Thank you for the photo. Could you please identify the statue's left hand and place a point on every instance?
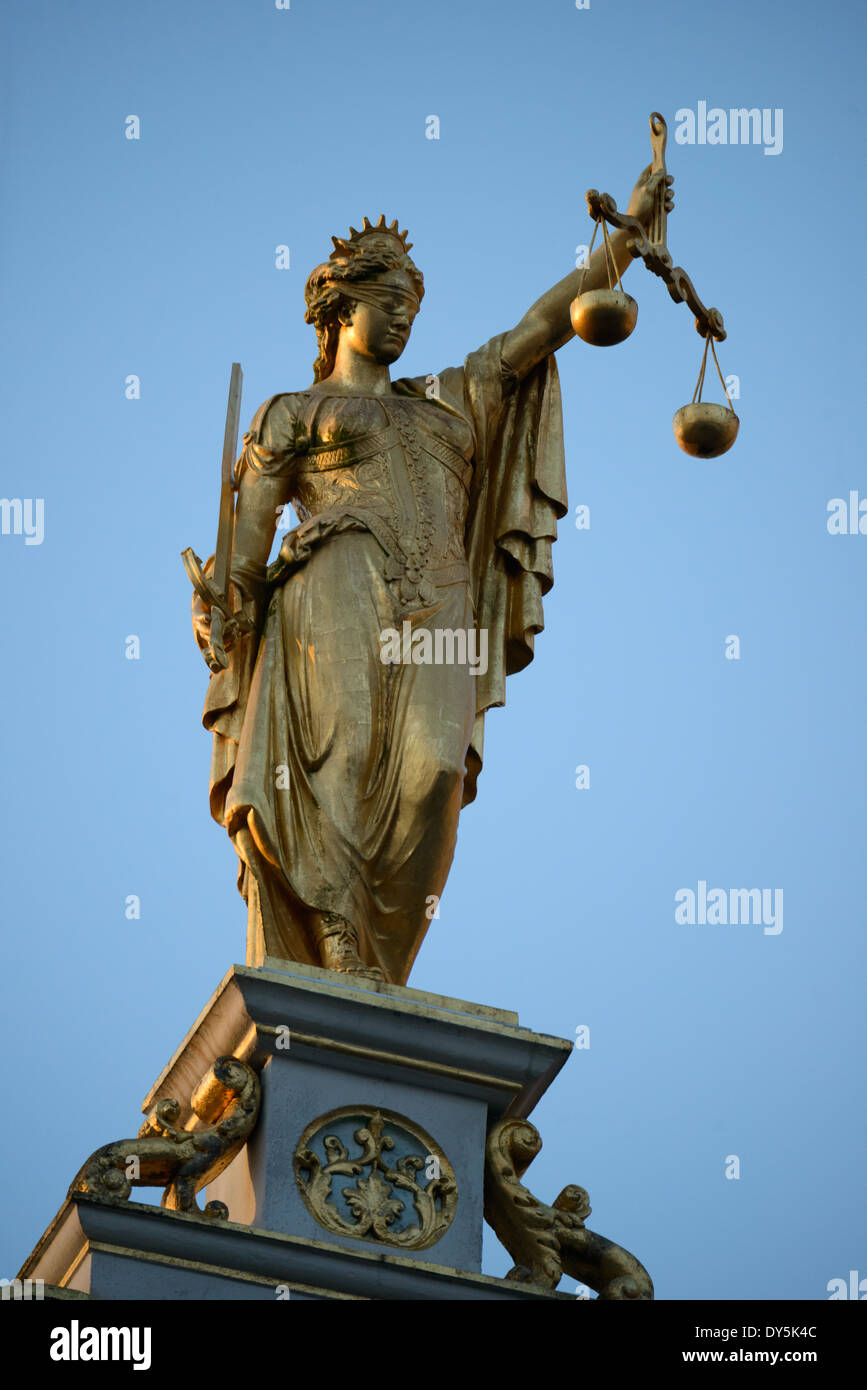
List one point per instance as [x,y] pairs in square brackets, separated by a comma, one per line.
[642,201]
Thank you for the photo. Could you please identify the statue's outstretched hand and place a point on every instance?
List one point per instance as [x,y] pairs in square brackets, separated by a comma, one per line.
[644,194]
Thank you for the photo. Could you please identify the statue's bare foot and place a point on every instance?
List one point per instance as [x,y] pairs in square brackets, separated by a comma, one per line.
[338,947]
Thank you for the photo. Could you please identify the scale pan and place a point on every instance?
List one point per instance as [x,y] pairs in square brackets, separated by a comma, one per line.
[705,429]
[603,317]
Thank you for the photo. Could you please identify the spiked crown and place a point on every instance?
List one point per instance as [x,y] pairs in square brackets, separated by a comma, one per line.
[371,236]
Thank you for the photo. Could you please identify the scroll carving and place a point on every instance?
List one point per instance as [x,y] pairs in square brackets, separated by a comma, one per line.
[182,1161]
[547,1242]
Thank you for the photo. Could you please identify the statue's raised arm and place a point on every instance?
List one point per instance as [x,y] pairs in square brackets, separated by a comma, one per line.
[547,325]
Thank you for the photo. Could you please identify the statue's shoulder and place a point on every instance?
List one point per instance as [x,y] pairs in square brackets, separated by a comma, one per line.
[285,405]
[278,420]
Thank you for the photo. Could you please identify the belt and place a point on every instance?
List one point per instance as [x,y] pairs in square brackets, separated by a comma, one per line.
[298,544]
[455,572]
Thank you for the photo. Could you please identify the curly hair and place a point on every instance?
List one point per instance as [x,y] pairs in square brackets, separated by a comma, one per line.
[325,301]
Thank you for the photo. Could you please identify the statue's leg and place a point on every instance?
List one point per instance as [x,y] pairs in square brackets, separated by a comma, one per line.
[432,709]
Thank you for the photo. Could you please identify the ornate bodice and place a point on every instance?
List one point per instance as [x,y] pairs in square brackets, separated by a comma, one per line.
[400,465]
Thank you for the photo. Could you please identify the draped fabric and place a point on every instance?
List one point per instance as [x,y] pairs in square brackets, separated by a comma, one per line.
[518,495]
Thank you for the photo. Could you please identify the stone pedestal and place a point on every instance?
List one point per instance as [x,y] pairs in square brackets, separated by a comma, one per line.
[364,1175]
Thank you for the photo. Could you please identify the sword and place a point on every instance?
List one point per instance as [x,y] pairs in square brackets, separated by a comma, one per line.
[214,592]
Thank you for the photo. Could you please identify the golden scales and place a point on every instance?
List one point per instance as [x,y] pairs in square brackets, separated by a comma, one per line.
[605,317]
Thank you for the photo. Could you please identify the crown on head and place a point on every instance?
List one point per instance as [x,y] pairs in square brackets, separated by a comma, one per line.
[371,234]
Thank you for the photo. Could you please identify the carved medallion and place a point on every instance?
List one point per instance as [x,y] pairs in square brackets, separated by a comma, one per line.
[377,1176]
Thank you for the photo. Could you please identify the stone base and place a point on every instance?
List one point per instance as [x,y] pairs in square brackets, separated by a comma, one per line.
[341,1061]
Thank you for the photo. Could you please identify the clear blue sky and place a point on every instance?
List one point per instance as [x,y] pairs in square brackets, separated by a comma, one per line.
[156,258]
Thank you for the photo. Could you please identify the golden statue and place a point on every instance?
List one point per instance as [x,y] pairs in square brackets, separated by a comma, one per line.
[427,507]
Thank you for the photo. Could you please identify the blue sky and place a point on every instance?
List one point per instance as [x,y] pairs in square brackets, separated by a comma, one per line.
[156,257]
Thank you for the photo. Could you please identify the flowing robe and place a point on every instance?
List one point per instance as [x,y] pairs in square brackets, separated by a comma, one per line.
[340,777]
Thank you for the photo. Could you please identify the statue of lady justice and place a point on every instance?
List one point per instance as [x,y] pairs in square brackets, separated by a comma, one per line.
[424,503]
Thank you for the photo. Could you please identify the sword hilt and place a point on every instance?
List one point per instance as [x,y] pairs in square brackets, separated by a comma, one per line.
[226,622]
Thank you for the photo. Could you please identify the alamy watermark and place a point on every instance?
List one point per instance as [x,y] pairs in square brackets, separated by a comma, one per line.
[23,516]
[77,1343]
[444,646]
[720,907]
[847,517]
[23,1290]
[737,126]
[854,1287]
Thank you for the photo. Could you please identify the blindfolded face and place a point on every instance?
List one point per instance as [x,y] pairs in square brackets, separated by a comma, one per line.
[380,320]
